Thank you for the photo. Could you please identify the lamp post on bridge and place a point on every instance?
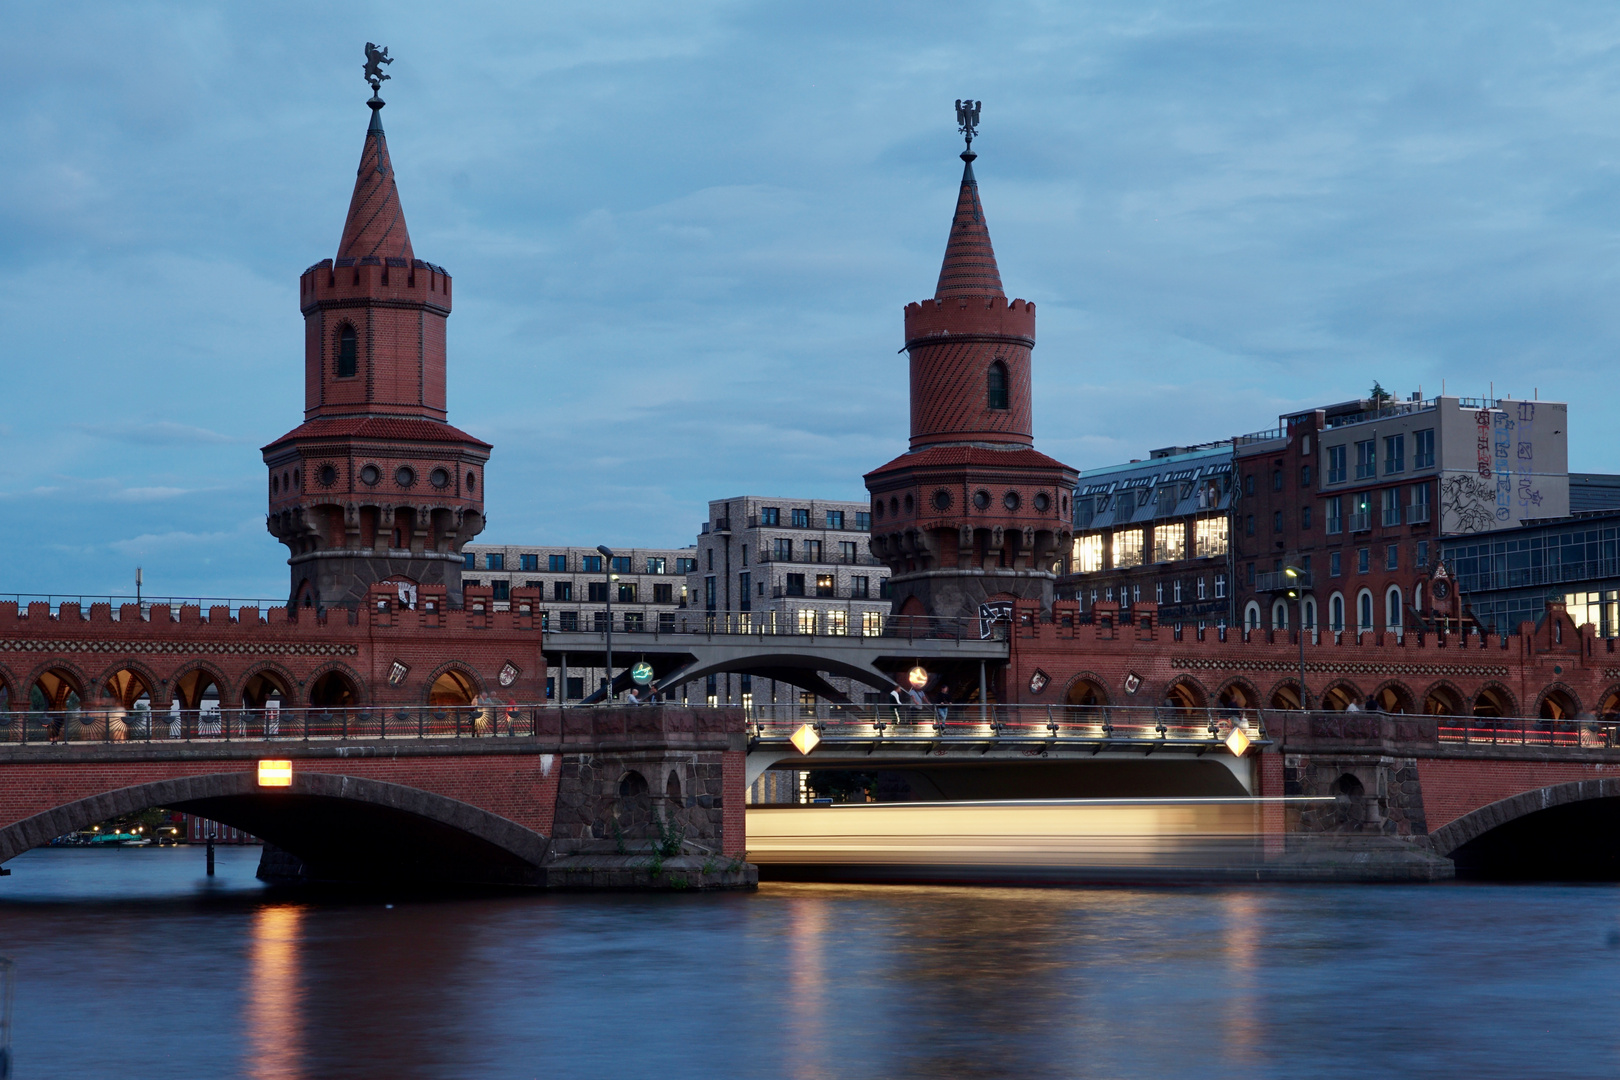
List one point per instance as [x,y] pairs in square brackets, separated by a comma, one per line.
[1296,591]
[607,554]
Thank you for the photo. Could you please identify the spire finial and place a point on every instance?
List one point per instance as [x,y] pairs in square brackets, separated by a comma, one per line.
[375,59]
[967,122]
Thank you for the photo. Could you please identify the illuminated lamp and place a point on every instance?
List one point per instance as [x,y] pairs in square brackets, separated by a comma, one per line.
[1238,741]
[918,677]
[275,773]
[805,739]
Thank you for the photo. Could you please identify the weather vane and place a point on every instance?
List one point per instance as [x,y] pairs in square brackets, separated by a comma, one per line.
[967,119]
[376,58]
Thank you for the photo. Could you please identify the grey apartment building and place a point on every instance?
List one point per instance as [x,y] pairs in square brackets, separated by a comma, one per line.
[649,591]
[787,566]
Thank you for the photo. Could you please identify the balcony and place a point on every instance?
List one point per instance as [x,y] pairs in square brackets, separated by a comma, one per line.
[1361,522]
[1417,514]
[1279,581]
[834,558]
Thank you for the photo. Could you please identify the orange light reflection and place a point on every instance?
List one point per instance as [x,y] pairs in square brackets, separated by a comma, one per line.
[274,996]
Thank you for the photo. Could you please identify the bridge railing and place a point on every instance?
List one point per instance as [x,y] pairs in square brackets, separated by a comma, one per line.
[1589,734]
[804,622]
[270,725]
[1008,723]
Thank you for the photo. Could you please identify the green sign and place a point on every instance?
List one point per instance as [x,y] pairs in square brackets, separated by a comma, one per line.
[642,672]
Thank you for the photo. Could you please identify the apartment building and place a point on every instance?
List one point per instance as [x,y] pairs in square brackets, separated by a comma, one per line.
[791,566]
[1155,531]
[1357,496]
[649,591]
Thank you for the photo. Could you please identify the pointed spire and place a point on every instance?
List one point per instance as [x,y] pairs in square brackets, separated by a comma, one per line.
[970,262]
[376,222]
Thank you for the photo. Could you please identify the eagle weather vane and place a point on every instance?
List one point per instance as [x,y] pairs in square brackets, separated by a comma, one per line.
[375,59]
[967,120]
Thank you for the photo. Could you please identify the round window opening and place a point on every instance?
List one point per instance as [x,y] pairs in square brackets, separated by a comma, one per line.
[275,484]
[405,477]
[370,474]
[1010,500]
[908,502]
[327,476]
[877,509]
[942,500]
[472,481]
[439,478]
[894,506]
[981,499]
[1043,502]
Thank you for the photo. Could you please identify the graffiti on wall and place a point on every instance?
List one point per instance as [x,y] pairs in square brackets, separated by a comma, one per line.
[1467,503]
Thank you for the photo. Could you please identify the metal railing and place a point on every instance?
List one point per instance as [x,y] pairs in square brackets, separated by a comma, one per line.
[1088,727]
[80,726]
[1361,522]
[826,558]
[804,622]
[1601,734]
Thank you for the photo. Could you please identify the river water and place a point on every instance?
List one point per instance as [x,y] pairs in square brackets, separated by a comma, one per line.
[130,963]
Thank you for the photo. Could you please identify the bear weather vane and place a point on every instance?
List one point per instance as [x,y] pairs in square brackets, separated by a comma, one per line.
[375,59]
[967,119]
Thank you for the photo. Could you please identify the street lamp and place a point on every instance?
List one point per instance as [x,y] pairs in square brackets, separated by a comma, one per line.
[1297,592]
[607,554]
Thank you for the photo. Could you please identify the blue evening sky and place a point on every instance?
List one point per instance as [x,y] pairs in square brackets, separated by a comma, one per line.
[682,236]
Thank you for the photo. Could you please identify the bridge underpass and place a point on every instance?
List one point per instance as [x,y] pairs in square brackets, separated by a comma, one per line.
[955,654]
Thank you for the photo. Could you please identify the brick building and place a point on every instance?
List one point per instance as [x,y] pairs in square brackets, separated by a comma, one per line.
[1357,495]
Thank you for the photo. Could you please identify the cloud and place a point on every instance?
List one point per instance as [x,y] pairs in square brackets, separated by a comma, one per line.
[154,433]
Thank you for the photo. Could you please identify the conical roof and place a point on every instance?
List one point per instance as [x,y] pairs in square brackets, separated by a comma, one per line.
[376,222]
[970,262]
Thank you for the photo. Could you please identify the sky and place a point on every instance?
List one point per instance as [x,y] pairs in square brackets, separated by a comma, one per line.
[682,237]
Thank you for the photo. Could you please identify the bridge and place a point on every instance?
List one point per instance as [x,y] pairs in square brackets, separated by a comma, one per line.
[649,797]
[685,649]
[1383,796]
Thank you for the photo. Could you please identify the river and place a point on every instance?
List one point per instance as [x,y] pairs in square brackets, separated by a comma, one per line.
[130,963]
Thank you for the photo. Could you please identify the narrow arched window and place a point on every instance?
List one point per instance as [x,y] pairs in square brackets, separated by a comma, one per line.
[997,386]
[347,364]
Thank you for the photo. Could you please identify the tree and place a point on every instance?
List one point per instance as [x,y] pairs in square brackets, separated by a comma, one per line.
[1378,394]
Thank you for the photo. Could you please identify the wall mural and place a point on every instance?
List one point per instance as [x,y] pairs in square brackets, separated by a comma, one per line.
[1504,488]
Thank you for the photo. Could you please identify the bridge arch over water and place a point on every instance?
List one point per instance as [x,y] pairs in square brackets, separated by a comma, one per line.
[1569,831]
[338,827]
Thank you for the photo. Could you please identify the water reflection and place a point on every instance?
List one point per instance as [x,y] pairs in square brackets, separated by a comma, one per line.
[274,1022]
[806,981]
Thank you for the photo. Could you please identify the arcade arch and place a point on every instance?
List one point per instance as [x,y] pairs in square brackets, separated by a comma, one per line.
[1340,696]
[333,690]
[1393,698]
[1185,695]
[1493,701]
[453,688]
[1558,704]
[1443,700]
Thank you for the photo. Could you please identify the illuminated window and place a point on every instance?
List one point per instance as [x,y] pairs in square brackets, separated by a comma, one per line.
[871,624]
[1128,547]
[807,620]
[1170,542]
[838,622]
[1088,554]
[1209,537]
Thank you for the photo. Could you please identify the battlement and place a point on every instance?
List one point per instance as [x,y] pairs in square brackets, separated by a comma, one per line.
[976,316]
[372,278]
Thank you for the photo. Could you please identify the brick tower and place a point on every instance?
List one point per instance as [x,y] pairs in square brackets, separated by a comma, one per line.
[972,513]
[374,485]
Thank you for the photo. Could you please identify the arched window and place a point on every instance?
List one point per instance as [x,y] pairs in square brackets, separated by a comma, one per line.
[1309,619]
[1392,608]
[997,385]
[1336,613]
[1279,615]
[347,362]
[1364,611]
[1251,616]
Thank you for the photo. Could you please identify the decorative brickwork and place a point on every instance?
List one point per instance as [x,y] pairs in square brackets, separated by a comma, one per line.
[374,485]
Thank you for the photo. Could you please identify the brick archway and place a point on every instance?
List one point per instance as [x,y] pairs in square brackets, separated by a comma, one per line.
[1450,837]
[432,836]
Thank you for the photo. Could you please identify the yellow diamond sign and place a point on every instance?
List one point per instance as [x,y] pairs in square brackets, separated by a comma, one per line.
[1238,741]
[805,739]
